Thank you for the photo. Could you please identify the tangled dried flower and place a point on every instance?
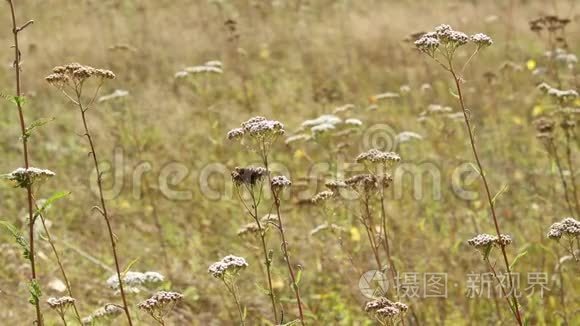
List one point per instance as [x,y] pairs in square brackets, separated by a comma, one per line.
[568,227]
[77,73]
[484,241]
[481,40]
[228,267]
[160,304]
[386,309]
[335,185]
[427,45]
[61,304]
[321,197]
[250,228]
[362,182]
[24,178]
[376,156]
[248,176]
[280,182]
[103,314]
[134,281]
[544,126]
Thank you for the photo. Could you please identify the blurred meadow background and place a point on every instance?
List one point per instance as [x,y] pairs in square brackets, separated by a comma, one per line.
[160,130]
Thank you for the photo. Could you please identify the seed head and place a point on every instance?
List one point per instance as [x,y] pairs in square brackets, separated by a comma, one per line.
[60,304]
[280,182]
[322,197]
[248,176]
[568,227]
[376,156]
[481,40]
[23,178]
[229,266]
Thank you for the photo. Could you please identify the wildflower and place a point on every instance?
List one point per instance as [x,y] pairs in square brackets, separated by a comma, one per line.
[160,304]
[24,178]
[326,119]
[407,136]
[485,241]
[60,305]
[77,73]
[321,197]
[248,176]
[544,126]
[322,128]
[335,185]
[353,122]
[229,266]
[568,227]
[250,228]
[362,182]
[118,93]
[481,40]
[386,309]
[344,108]
[427,45]
[235,134]
[258,130]
[103,314]
[383,96]
[296,138]
[376,156]
[280,182]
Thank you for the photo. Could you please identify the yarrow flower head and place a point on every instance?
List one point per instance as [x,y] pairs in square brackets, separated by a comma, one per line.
[228,267]
[103,314]
[160,304]
[258,133]
[60,305]
[322,197]
[77,73]
[385,309]
[481,40]
[485,242]
[568,227]
[428,44]
[248,176]
[250,228]
[135,281]
[376,156]
[280,182]
[24,178]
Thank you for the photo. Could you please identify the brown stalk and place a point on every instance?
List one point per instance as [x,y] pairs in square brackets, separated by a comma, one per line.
[457,80]
[17,55]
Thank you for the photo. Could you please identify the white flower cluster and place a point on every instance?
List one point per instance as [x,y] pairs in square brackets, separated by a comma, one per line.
[386,309]
[279,182]
[24,178]
[323,124]
[104,314]
[377,156]
[160,300]
[136,280]
[257,128]
[484,241]
[60,304]
[568,227]
[210,67]
[118,93]
[229,266]
[445,36]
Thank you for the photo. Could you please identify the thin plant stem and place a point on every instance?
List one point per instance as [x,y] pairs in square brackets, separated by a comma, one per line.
[233,291]
[457,80]
[18,100]
[103,207]
[554,151]
[572,171]
[59,262]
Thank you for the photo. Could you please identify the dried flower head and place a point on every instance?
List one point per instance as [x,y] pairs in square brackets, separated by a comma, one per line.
[60,305]
[280,182]
[485,241]
[428,45]
[248,229]
[160,304]
[103,314]
[568,227]
[76,73]
[386,309]
[322,197]
[248,176]
[228,267]
[335,185]
[481,40]
[377,156]
[544,125]
[135,281]
[24,178]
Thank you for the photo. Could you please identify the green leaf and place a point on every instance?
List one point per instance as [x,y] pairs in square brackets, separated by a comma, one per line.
[298,276]
[35,292]
[500,192]
[20,240]
[474,168]
[52,199]
[18,100]
[520,255]
[453,93]
[35,124]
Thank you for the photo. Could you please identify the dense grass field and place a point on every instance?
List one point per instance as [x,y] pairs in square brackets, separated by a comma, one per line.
[483,140]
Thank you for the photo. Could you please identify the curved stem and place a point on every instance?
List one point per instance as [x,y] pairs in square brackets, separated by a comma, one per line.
[17,55]
[104,208]
[487,191]
[561,173]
